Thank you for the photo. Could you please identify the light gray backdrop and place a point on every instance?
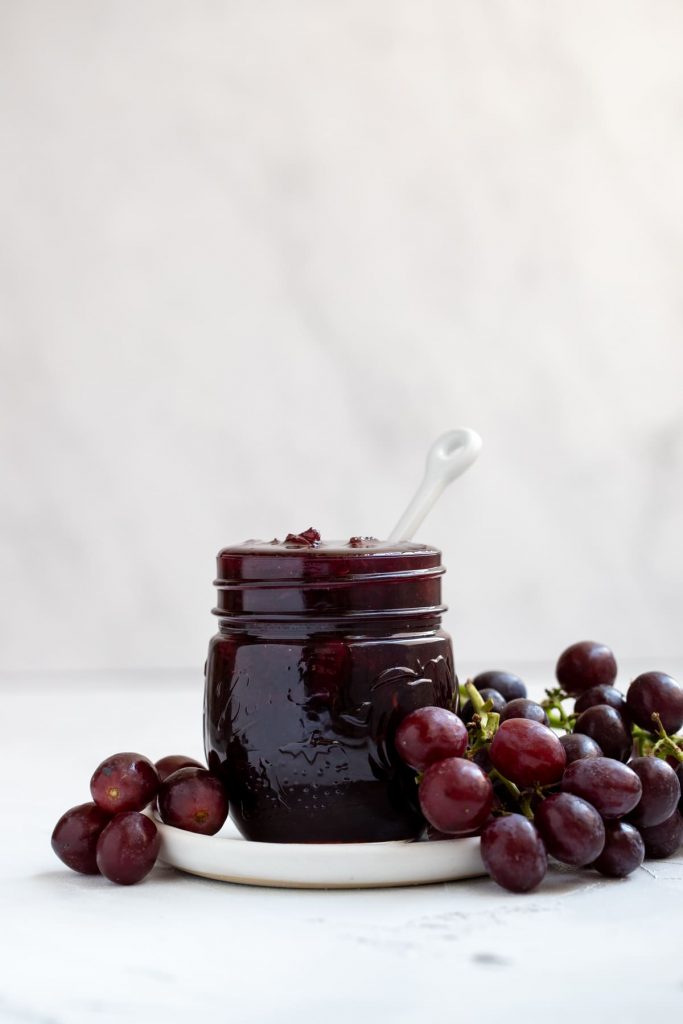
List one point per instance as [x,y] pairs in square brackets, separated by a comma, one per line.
[255,256]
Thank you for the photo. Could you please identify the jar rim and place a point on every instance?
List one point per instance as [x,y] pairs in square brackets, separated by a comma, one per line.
[257,562]
[328,582]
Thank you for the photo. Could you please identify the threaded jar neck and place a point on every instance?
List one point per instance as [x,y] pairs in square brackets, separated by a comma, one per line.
[331,583]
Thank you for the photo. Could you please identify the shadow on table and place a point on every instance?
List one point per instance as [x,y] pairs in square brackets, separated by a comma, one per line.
[469,896]
[65,878]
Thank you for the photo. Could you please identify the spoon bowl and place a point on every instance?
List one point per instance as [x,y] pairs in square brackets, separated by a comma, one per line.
[449,457]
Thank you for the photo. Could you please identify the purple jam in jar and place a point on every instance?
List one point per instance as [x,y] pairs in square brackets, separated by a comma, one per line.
[322,649]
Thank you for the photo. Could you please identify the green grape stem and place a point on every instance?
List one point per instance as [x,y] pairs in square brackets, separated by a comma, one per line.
[552,703]
[473,694]
[485,719]
[522,798]
[666,745]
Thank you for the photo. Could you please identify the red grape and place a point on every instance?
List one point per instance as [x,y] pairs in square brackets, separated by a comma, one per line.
[527,753]
[195,800]
[505,683]
[165,766]
[623,852]
[584,665]
[128,848]
[430,734]
[665,839]
[661,791]
[124,782]
[602,695]
[455,795]
[572,830]
[605,725]
[75,836]
[433,835]
[655,692]
[576,746]
[610,786]
[523,708]
[513,853]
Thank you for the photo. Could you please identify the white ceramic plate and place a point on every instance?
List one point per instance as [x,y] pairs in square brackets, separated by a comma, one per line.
[230,858]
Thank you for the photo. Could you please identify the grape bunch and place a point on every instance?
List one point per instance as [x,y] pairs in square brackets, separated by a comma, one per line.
[111,836]
[597,786]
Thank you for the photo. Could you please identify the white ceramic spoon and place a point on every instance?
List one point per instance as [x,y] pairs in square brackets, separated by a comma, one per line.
[447,459]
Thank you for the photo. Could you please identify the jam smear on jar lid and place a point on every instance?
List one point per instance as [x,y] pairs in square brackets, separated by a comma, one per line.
[309,538]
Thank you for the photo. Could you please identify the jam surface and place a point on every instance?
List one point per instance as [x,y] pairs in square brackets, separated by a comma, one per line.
[322,649]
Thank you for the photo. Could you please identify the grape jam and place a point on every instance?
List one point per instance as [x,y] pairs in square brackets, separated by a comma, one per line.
[322,649]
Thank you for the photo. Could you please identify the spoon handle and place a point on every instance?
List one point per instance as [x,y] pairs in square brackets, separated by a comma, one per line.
[448,458]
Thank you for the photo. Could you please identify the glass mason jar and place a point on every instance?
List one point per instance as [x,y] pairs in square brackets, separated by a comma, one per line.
[321,651]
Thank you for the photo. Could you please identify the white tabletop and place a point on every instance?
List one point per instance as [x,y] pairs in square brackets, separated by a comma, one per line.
[179,948]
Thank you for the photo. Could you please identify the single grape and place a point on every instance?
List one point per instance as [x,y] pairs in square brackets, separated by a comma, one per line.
[195,800]
[577,746]
[513,853]
[497,702]
[661,791]
[605,725]
[610,786]
[165,766]
[665,839]
[508,685]
[584,665]
[523,708]
[430,734]
[679,773]
[75,836]
[655,692]
[128,848]
[527,753]
[433,835]
[623,852]
[455,795]
[124,782]
[603,695]
[572,830]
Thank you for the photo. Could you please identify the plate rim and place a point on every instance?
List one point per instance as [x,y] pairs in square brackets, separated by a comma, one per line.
[392,864]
